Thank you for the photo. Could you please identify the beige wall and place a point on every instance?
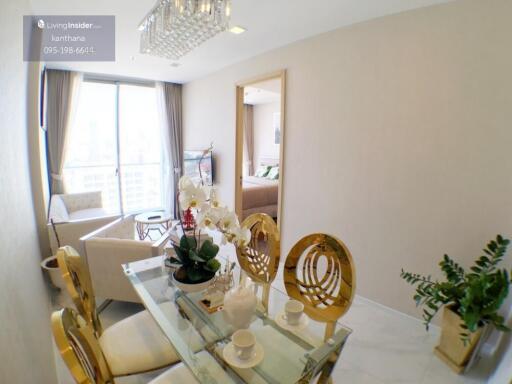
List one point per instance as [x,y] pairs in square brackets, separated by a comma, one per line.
[264,146]
[26,354]
[398,138]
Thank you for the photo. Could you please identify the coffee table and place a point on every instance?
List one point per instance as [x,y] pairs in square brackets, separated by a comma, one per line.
[152,221]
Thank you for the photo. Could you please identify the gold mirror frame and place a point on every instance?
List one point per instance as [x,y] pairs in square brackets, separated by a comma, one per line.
[326,298]
[80,348]
[78,284]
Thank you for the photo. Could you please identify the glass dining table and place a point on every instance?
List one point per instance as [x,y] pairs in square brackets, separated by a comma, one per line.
[291,354]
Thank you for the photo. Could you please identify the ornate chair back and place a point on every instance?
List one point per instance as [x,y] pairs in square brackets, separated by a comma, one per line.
[78,283]
[320,273]
[80,348]
[260,258]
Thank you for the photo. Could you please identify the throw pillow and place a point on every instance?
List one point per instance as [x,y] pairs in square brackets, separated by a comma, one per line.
[262,171]
[273,174]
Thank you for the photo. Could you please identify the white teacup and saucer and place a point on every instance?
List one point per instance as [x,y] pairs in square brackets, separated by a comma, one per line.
[243,351]
[292,317]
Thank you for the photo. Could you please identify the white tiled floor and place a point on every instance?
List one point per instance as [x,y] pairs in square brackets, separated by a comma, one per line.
[385,347]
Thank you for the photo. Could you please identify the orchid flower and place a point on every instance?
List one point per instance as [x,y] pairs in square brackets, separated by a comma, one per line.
[228,221]
[208,217]
[242,236]
[191,196]
[214,200]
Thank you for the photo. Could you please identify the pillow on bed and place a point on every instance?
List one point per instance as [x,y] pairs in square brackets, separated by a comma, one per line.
[262,171]
[273,174]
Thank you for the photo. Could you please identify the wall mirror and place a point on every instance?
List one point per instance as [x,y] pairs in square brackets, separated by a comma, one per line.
[260,145]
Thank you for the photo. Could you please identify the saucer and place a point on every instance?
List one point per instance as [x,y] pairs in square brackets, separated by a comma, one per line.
[232,359]
[281,321]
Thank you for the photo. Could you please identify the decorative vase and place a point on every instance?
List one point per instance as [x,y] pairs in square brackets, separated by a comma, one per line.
[192,287]
[451,348]
[239,306]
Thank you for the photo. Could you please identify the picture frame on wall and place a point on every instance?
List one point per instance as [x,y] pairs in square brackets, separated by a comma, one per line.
[276,124]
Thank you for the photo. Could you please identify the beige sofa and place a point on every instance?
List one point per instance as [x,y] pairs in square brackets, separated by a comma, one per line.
[107,248]
[75,215]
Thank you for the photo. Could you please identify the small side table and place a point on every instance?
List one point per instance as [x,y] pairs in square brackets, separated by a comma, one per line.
[152,221]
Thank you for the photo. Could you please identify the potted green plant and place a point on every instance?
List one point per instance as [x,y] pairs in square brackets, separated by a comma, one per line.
[471,300]
[198,265]
[195,255]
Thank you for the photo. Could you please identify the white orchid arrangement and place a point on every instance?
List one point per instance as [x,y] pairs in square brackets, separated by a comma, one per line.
[197,260]
[211,214]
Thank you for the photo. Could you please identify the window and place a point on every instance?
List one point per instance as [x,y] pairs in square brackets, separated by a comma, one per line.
[114,146]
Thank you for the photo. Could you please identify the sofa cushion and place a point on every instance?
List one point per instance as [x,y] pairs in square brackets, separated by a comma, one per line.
[124,229]
[89,213]
[58,210]
[78,201]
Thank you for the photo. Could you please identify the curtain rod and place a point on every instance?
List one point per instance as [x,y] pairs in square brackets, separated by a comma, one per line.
[99,78]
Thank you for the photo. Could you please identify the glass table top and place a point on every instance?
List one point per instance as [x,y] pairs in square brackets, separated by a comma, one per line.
[290,354]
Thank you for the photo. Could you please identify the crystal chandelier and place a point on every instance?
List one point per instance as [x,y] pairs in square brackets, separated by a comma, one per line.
[175,27]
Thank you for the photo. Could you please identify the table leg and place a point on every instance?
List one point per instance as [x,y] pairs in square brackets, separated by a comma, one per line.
[141,231]
[325,376]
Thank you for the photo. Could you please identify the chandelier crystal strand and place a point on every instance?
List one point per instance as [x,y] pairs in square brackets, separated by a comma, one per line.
[175,27]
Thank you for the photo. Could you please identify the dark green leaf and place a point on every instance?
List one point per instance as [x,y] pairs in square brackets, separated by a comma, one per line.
[209,250]
[194,256]
[188,242]
[212,265]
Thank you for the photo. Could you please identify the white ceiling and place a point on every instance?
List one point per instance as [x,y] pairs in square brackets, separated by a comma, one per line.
[265,92]
[270,24]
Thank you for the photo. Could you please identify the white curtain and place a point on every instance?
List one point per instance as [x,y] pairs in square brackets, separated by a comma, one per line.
[169,100]
[61,98]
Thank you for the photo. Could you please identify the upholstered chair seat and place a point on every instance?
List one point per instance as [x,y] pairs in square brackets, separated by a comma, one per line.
[181,374]
[175,375]
[136,344]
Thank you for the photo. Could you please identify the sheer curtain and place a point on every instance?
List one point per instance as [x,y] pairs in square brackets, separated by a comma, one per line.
[62,93]
[169,97]
[249,137]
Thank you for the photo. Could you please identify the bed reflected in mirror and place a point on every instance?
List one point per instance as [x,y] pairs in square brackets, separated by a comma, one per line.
[260,129]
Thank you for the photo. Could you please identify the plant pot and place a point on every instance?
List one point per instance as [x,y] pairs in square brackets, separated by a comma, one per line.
[51,265]
[192,287]
[451,348]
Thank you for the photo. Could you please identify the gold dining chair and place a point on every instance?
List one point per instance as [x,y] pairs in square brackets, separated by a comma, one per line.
[320,273]
[78,284]
[134,344]
[259,260]
[83,354]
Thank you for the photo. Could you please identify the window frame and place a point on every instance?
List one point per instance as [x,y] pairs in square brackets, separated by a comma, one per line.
[118,82]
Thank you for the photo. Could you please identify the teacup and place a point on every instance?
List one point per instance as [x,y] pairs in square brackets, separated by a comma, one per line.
[293,310]
[244,342]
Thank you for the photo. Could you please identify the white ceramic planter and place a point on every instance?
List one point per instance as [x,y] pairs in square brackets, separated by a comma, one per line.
[190,288]
[53,271]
